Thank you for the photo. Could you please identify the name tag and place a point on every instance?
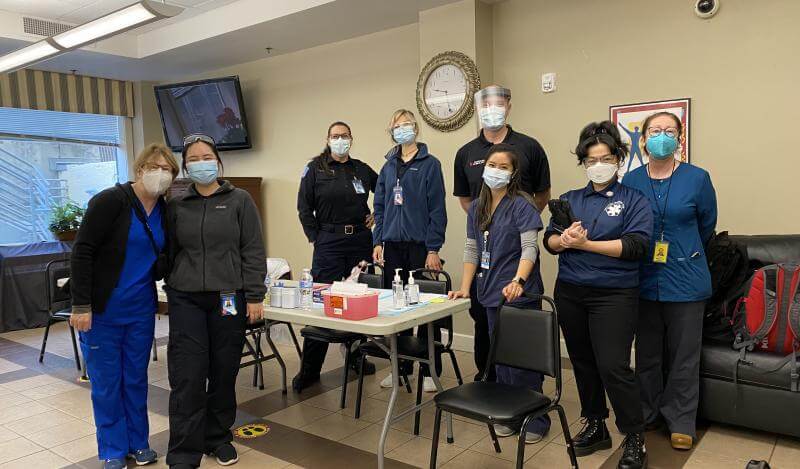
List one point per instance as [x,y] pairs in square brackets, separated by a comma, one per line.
[228,304]
[358,186]
[398,195]
[486,258]
[660,252]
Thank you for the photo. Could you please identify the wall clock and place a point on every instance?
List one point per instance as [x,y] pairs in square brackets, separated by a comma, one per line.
[445,90]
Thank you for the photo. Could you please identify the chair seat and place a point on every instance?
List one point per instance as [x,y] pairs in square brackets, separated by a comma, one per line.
[62,315]
[328,335]
[487,401]
[406,345]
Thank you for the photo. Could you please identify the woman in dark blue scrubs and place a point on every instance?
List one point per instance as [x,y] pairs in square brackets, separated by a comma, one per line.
[114,302]
[597,291]
[502,230]
[676,281]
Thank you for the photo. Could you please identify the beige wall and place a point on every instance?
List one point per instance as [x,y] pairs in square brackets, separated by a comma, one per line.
[739,68]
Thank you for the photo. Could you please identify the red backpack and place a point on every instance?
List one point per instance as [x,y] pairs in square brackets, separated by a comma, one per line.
[769,316]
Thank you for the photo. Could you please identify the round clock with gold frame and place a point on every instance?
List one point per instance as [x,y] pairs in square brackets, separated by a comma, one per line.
[445,90]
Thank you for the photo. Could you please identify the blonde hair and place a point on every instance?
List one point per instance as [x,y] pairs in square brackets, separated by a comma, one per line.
[396,117]
[153,151]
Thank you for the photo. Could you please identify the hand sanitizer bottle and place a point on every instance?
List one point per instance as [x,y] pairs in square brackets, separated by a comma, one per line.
[398,295]
[412,290]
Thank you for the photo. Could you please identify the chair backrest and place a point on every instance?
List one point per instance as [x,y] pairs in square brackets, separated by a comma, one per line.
[440,283]
[372,279]
[57,298]
[528,339]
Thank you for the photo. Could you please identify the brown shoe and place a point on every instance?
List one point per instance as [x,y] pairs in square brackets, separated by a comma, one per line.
[681,441]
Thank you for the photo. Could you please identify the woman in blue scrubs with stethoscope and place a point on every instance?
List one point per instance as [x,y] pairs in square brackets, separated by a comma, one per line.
[502,232]
[114,269]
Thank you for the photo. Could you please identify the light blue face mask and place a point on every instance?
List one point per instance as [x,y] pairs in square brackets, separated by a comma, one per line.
[492,117]
[339,146]
[203,172]
[661,146]
[404,134]
[496,178]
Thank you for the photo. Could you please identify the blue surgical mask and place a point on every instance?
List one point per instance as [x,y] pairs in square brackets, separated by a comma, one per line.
[339,146]
[496,178]
[404,134]
[203,172]
[492,117]
[661,146]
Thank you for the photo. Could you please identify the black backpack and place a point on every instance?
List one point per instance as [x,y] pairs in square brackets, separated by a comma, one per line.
[729,266]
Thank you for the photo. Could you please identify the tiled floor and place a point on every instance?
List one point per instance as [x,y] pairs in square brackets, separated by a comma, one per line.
[46,421]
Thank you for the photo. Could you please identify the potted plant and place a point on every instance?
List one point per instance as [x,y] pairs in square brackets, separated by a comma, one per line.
[65,221]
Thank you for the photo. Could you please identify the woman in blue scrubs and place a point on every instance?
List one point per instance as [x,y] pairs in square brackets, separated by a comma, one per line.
[675,280]
[597,291]
[114,269]
[502,231]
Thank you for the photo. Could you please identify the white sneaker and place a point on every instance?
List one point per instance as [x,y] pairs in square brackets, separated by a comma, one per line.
[503,431]
[387,382]
[532,438]
[428,385]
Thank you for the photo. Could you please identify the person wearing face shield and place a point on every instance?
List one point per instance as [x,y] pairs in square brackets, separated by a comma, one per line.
[114,267]
[214,288]
[676,281]
[492,106]
[333,206]
[501,255]
[597,291]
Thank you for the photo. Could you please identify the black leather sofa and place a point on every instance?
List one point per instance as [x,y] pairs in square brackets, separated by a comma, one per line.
[758,400]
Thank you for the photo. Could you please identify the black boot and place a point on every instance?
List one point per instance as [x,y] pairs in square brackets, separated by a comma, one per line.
[304,380]
[593,437]
[634,454]
[355,363]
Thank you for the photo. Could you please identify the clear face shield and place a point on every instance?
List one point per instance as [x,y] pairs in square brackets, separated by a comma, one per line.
[491,105]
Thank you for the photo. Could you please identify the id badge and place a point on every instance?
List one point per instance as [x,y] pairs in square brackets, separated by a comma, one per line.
[228,304]
[358,186]
[398,195]
[485,260]
[660,252]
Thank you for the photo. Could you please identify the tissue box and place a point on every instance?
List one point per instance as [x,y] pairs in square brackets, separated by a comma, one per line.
[350,301]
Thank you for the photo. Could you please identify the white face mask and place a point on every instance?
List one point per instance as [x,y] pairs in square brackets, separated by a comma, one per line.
[492,117]
[496,178]
[157,181]
[600,173]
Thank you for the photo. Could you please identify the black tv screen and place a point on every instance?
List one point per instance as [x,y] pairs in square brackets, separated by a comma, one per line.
[211,107]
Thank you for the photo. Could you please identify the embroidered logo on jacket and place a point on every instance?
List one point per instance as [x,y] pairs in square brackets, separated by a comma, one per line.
[614,209]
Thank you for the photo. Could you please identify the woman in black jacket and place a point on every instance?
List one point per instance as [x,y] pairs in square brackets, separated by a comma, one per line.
[215,285]
[114,262]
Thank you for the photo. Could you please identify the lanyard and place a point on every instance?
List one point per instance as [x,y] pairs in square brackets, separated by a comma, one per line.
[661,214]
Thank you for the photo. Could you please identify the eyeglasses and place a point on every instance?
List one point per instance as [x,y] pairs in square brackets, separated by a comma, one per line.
[194,138]
[338,136]
[156,167]
[610,159]
[671,132]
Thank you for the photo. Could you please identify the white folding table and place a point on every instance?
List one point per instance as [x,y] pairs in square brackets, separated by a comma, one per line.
[387,327]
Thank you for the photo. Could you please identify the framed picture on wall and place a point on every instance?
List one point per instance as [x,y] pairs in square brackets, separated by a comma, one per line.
[629,118]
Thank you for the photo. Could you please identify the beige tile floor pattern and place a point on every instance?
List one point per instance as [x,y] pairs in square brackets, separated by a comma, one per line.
[46,422]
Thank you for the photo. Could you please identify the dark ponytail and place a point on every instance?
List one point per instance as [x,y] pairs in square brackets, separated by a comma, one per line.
[605,132]
[322,158]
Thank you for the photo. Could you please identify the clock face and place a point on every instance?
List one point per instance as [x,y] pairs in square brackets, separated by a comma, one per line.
[445,91]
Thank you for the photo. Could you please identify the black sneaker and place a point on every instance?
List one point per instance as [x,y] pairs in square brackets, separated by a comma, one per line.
[303,380]
[593,437]
[634,454]
[369,368]
[182,466]
[226,455]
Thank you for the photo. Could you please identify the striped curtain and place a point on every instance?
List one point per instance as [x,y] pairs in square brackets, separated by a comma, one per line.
[53,91]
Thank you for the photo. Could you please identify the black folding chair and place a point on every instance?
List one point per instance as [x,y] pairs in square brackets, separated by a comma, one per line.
[429,281]
[523,338]
[59,305]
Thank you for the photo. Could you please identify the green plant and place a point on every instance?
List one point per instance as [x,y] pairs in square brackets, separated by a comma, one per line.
[66,217]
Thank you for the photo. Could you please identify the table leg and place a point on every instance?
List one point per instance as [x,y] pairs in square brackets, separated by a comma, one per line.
[387,422]
[432,368]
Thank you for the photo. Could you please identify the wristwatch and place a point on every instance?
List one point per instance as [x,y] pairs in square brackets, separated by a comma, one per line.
[519,280]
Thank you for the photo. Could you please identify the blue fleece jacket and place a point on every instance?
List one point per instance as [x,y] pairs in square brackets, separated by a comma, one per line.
[422,217]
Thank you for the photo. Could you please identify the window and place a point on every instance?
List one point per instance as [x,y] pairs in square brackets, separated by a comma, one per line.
[48,158]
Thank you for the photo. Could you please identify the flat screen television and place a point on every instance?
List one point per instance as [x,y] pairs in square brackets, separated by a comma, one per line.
[211,107]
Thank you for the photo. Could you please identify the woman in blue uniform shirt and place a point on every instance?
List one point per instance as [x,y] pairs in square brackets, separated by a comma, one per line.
[502,231]
[113,290]
[675,280]
[597,291]
[410,215]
